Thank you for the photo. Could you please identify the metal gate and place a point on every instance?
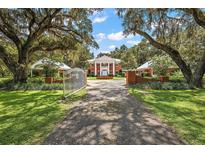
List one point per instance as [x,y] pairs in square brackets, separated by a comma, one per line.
[74,80]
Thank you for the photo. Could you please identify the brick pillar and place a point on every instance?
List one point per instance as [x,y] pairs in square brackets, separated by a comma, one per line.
[130,77]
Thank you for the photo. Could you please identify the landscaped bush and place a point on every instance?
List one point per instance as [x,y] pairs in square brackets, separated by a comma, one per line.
[163,85]
[36,80]
[161,63]
[91,75]
[120,74]
[33,84]
[176,76]
[123,74]
[146,74]
[50,71]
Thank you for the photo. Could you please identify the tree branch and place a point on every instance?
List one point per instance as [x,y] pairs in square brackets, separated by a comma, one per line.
[8,30]
[7,58]
[33,19]
[51,47]
[42,25]
[173,53]
[198,15]
[45,23]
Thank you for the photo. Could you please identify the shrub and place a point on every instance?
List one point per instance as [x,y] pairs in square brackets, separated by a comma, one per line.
[120,74]
[33,84]
[50,71]
[163,85]
[146,74]
[177,76]
[123,74]
[91,75]
[161,63]
[36,80]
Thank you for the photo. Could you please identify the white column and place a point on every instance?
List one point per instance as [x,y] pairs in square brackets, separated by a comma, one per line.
[100,68]
[108,68]
[113,68]
[95,69]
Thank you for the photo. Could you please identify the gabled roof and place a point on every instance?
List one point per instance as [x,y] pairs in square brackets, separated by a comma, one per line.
[104,59]
[145,65]
[46,61]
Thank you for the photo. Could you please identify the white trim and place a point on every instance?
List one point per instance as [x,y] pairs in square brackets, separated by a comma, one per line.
[95,68]
[100,68]
[104,59]
[46,61]
[113,69]
[108,68]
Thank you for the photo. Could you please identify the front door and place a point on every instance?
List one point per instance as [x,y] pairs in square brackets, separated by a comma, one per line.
[104,73]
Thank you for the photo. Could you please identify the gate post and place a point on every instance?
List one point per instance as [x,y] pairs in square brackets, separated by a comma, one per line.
[86,73]
[130,77]
[63,83]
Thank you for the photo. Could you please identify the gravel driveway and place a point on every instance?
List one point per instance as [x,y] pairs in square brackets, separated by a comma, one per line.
[109,115]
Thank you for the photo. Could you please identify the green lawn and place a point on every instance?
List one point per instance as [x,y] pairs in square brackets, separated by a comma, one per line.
[182,109]
[115,78]
[27,117]
[118,78]
[91,78]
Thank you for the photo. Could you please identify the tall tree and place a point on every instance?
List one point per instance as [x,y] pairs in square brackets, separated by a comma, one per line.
[79,57]
[3,69]
[161,28]
[31,30]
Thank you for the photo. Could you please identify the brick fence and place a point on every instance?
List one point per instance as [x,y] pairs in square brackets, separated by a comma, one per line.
[133,78]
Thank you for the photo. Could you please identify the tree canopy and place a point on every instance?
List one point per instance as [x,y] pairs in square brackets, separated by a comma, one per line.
[162,28]
[27,31]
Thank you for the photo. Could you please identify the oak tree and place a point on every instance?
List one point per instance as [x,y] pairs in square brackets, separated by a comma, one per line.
[161,27]
[30,30]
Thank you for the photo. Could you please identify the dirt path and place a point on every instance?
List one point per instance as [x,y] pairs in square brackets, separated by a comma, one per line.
[109,115]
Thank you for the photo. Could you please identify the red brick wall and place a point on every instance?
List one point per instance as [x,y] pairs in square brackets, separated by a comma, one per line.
[91,68]
[133,78]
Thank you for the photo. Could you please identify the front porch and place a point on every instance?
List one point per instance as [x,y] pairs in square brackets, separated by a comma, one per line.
[104,66]
[104,69]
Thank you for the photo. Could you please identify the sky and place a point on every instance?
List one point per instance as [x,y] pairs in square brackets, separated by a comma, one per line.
[108,32]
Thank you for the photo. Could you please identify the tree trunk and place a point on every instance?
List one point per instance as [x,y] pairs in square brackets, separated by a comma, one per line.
[21,71]
[197,81]
[20,74]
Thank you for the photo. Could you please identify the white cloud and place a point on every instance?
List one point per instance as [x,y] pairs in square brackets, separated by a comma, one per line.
[130,36]
[99,19]
[95,13]
[112,47]
[105,51]
[116,36]
[100,37]
[132,42]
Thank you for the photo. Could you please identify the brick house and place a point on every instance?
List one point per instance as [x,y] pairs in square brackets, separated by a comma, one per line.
[147,70]
[104,66]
